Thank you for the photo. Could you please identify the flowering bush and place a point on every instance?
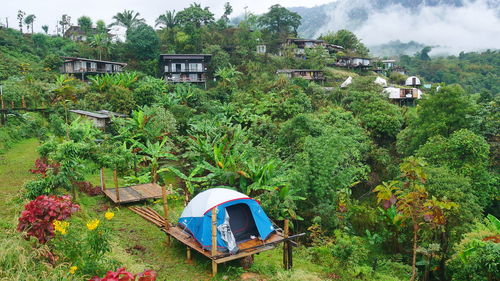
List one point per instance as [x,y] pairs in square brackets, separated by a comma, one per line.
[93,239]
[39,214]
[122,275]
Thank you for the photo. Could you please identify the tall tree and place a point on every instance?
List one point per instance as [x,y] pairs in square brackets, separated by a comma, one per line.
[100,41]
[195,16]
[168,20]
[64,22]
[45,29]
[280,20]
[29,22]
[20,17]
[85,24]
[228,10]
[142,42]
[127,19]
[346,39]
[100,27]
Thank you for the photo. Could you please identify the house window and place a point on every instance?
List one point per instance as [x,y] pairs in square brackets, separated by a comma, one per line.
[195,67]
[193,77]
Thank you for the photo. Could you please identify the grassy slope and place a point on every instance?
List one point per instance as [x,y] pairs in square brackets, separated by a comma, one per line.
[138,245]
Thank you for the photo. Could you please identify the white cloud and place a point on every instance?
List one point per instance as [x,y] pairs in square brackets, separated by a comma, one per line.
[473,26]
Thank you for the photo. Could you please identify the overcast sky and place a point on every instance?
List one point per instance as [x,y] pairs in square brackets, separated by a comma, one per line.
[49,11]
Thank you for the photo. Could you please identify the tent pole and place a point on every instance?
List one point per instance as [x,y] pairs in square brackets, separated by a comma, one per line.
[214,240]
[188,254]
[116,186]
[285,246]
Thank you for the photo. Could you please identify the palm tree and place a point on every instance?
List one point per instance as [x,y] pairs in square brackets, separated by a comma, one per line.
[168,19]
[100,41]
[45,28]
[127,19]
[20,16]
[28,20]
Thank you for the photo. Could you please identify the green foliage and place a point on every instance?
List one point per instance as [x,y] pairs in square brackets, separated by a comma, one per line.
[346,39]
[440,113]
[280,21]
[142,42]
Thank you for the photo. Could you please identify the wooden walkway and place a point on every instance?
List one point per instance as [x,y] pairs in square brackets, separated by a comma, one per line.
[134,193]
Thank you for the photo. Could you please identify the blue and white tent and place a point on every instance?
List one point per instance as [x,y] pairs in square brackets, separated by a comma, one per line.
[239,219]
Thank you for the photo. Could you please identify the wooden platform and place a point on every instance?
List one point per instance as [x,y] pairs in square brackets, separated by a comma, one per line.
[253,246]
[134,193]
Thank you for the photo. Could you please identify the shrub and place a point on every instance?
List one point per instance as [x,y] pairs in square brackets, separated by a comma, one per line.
[38,215]
[87,188]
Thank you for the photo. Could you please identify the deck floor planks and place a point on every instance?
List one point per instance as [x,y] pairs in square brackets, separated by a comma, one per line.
[134,193]
[187,240]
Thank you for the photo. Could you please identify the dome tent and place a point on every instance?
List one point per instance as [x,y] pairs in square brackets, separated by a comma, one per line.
[242,216]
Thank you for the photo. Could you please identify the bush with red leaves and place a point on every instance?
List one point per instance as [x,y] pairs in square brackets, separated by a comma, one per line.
[87,188]
[38,215]
[42,167]
[122,275]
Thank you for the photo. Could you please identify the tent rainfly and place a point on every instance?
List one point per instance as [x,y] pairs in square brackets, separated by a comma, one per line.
[239,219]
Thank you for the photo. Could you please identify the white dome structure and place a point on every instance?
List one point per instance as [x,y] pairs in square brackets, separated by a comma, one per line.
[413,81]
[380,81]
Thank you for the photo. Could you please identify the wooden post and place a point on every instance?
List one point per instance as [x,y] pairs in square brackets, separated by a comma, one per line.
[116,186]
[188,254]
[165,209]
[214,240]
[23,101]
[1,100]
[12,104]
[286,265]
[103,180]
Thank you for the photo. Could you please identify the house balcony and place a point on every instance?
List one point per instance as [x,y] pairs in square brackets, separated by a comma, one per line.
[186,80]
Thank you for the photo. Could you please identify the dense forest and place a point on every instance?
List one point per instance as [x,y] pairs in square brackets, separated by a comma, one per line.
[382,191]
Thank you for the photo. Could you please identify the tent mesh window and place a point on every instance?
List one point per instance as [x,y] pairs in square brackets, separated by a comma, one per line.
[242,222]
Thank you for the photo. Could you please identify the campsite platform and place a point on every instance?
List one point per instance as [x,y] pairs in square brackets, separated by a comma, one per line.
[134,193]
[247,248]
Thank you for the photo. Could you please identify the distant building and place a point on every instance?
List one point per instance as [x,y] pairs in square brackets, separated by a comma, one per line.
[185,68]
[101,119]
[84,67]
[75,33]
[353,62]
[413,81]
[403,95]
[308,74]
[261,49]
[388,64]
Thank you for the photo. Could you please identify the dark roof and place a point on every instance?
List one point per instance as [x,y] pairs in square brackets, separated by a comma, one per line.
[304,40]
[185,56]
[296,70]
[76,29]
[92,60]
[111,113]
[91,114]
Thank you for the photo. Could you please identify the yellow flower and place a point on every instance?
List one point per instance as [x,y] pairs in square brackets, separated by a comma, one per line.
[109,215]
[73,269]
[60,226]
[93,224]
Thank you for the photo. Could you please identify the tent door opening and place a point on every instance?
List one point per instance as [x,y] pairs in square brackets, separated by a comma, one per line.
[242,222]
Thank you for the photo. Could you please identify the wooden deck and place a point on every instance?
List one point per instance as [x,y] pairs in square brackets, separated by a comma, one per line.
[255,245]
[134,193]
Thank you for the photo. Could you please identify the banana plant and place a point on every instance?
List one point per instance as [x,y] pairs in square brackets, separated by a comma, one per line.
[154,152]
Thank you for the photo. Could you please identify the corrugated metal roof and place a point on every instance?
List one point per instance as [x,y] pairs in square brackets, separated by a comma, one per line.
[185,56]
[92,60]
[88,113]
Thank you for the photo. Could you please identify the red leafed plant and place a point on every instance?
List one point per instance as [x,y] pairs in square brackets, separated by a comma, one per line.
[38,215]
[122,275]
[42,167]
[87,188]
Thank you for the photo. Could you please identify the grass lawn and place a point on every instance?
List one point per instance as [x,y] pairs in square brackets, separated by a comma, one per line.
[137,244]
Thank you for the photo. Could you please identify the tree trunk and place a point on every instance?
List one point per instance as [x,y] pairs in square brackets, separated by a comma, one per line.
[414,258]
